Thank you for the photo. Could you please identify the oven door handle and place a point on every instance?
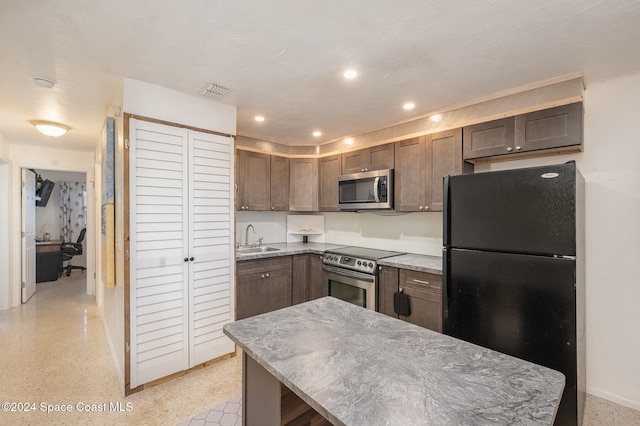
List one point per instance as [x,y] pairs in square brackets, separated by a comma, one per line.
[348,273]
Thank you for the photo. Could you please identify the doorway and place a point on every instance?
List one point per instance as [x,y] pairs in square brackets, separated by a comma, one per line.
[48,222]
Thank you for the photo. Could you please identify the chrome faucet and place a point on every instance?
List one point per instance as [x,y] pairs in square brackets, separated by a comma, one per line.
[246,234]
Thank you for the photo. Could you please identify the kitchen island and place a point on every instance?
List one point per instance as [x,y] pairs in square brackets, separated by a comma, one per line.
[353,366]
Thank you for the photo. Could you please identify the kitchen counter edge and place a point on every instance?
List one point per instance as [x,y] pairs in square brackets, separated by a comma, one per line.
[410,261]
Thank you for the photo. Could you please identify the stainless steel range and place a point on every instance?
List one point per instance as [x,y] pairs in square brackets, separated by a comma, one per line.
[351,274]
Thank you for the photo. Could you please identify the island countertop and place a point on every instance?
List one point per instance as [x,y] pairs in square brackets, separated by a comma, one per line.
[359,367]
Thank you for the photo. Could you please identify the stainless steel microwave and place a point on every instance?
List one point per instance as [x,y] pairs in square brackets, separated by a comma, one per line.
[366,191]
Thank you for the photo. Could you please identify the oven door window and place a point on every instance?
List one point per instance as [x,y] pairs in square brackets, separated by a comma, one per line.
[348,293]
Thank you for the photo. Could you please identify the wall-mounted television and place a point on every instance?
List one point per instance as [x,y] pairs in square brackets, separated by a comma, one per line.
[44,192]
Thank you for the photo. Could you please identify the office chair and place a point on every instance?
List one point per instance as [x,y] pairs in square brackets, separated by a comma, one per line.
[72,249]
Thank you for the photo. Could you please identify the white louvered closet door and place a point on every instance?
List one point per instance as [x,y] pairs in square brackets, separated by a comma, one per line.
[181,192]
[211,244]
[159,292]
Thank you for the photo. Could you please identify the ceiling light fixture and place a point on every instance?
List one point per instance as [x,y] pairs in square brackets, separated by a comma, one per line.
[45,82]
[317,133]
[436,118]
[50,129]
[259,118]
[409,105]
[350,74]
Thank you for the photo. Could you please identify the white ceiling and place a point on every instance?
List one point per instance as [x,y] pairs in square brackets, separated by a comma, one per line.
[284,59]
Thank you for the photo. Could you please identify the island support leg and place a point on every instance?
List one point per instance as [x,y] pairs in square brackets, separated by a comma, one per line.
[260,395]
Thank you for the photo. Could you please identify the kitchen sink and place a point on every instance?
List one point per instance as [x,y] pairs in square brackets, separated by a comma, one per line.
[249,250]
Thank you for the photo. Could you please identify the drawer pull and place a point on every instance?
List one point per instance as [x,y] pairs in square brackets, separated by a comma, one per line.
[421,281]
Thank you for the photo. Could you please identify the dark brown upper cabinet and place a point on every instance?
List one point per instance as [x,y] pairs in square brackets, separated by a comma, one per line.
[421,164]
[254,179]
[279,183]
[303,188]
[329,170]
[363,160]
[558,129]
[445,151]
[262,181]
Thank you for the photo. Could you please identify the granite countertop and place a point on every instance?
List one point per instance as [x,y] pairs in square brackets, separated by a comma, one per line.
[414,262]
[288,249]
[359,367]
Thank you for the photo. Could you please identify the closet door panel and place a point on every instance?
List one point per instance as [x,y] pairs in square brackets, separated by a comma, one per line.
[211,201]
[159,238]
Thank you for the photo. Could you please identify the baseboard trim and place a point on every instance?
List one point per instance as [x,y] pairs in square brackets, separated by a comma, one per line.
[114,356]
[614,398]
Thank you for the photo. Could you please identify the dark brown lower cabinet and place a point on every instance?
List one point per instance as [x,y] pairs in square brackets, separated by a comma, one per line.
[300,284]
[387,287]
[425,298]
[317,288]
[262,286]
[307,278]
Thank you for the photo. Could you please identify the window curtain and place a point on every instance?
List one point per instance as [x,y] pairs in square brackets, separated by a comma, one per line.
[73,209]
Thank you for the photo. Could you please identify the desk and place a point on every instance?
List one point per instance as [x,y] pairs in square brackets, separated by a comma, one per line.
[48,260]
[48,246]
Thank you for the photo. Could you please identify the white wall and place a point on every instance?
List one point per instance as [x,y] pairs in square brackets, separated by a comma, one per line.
[157,102]
[111,299]
[419,233]
[26,156]
[5,252]
[611,168]
[272,226]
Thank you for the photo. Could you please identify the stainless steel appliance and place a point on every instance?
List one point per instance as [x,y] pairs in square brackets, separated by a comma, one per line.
[513,269]
[366,191]
[351,274]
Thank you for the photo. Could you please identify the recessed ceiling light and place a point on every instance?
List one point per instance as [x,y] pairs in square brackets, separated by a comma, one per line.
[436,118]
[259,118]
[317,133]
[50,129]
[350,74]
[409,105]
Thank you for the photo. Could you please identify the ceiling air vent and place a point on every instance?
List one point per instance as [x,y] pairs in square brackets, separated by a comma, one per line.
[213,91]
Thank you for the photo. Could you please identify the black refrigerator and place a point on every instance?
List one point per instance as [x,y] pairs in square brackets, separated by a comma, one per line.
[513,269]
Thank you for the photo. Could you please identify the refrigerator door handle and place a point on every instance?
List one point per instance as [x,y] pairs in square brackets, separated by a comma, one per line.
[446,208]
[445,283]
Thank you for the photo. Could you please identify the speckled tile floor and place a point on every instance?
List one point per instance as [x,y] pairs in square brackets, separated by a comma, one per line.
[53,351]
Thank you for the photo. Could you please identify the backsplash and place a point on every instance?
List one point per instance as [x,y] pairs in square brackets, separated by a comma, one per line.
[419,233]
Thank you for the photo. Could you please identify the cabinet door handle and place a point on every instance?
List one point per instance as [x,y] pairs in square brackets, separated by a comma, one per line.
[273,208]
[509,149]
[186,259]
[191,259]
[267,275]
[518,148]
[415,280]
[426,207]
[420,207]
[262,276]
[400,290]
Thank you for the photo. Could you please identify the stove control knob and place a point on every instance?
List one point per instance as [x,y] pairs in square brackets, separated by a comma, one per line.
[359,263]
[370,265]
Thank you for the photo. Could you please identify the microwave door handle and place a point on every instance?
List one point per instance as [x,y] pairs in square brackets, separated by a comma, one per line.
[376,183]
